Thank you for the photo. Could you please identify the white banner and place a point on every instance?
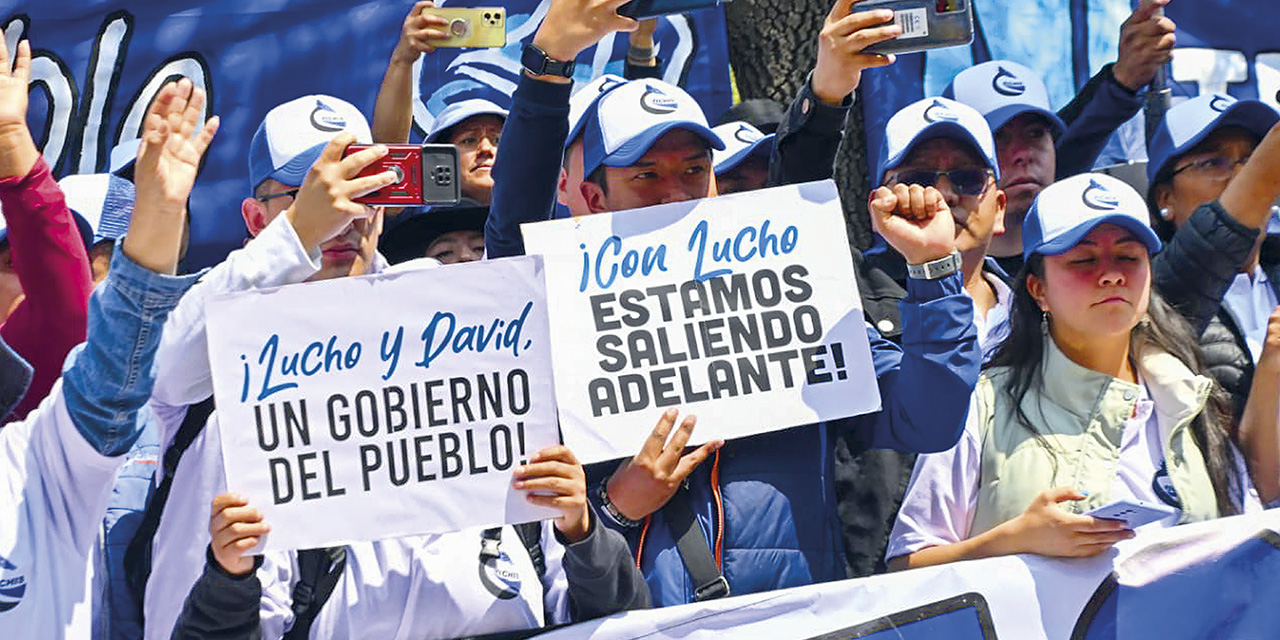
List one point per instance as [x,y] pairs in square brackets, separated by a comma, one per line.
[1209,580]
[367,408]
[741,309]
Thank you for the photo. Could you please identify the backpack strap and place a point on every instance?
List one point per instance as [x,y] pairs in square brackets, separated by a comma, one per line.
[318,573]
[137,556]
[708,582]
[531,535]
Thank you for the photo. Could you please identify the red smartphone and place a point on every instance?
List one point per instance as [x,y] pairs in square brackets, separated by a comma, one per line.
[428,175]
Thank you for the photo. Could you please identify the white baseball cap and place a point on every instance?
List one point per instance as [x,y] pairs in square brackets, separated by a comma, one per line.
[741,141]
[932,118]
[1001,90]
[628,119]
[585,97]
[1067,210]
[105,201]
[459,111]
[290,138]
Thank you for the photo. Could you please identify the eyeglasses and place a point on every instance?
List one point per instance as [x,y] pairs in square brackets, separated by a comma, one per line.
[1217,168]
[966,182]
[292,193]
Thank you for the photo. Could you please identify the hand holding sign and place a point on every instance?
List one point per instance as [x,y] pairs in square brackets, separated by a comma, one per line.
[840,44]
[915,220]
[556,471]
[325,204]
[646,482]
[235,528]
[168,160]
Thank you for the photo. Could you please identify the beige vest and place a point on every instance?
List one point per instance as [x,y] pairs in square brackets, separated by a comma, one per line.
[1081,414]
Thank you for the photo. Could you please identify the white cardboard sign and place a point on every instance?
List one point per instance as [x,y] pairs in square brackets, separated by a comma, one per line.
[741,309]
[365,408]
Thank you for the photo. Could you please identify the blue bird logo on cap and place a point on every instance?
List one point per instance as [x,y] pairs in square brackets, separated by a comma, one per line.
[608,84]
[324,118]
[1220,103]
[1007,84]
[656,102]
[745,134]
[1096,196]
[939,112]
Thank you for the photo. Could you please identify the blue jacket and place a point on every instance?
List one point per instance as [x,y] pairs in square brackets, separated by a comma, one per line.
[1097,111]
[771,516]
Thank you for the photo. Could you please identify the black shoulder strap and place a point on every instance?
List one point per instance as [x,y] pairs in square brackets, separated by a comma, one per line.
[531,535]
[709,583]
[137,556]
[318,573]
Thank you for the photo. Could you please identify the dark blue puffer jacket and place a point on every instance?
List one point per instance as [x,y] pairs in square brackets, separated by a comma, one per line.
[766,504]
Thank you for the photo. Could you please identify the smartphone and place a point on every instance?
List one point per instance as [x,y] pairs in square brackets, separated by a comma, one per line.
[428,174]
[473,27]
[641,9]
[926,24]
[1134,513]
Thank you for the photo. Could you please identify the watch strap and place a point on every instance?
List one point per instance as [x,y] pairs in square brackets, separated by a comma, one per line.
[538,63]
[935,269]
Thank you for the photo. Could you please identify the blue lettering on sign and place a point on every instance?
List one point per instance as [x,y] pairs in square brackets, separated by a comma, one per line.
[633,262]
[280,372]
[442,333]
[748,244]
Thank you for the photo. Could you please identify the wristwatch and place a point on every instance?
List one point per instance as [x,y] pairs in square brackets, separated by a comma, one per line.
[935,269]
[538,63]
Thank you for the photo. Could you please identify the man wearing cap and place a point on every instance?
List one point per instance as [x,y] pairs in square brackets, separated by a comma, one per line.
[645,143]
[305,226]
[44,269]
[743,165]
[106,201]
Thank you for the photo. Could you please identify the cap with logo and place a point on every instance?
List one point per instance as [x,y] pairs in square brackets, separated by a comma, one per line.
[1067,210]
[1187,123]
[628,119]
[584,98]
[929,119]
[104,199]
[741,141]
[1001,90]
[290,138]
[459,111]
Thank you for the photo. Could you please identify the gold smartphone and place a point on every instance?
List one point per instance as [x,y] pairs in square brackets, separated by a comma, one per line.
[473,26]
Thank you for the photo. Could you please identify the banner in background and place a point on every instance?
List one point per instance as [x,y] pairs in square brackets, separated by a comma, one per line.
[98,63]
[741,309]
[402,402]
[1223,45]
[1207,580]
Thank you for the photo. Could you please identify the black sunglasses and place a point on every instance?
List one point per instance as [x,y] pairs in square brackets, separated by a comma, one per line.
[966,182]
[292,193]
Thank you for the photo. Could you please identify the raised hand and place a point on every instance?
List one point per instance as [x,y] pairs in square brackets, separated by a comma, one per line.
[840,43]
[1146,44]
[18,151]
[646,482]
[1046,529]
[554,478]
[573,25]
[914,220]
[325,205]
[235,528]
[419,34]
[173,142]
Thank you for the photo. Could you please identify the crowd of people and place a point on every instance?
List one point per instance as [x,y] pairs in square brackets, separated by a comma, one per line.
[1080,340]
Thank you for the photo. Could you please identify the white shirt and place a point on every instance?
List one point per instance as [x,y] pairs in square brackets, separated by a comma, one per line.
[993,327]
[1251,301]
[54,487]
[942,497]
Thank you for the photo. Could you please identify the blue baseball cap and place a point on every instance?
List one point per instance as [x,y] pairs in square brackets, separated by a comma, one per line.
[1067,210]
[628,119]
[584,100]
[105,201]
[459,111]
[741,141]
[293,134]
[1001,90]
[933,118]
[1188,123]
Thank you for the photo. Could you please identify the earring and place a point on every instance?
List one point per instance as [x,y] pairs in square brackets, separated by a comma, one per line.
[1044,321]
[1165,214]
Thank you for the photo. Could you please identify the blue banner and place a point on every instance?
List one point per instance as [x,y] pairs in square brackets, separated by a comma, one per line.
[98,63]
[1223,45]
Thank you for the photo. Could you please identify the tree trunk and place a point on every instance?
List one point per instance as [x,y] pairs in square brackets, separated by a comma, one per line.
[772,48]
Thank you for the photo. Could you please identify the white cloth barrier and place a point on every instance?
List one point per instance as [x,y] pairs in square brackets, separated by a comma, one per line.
[1220,578]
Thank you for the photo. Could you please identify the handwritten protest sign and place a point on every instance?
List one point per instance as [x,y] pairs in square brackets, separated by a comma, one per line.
[742,309]
[368,408]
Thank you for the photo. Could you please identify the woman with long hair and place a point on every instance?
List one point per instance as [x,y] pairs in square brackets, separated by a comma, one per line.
[1096,396]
